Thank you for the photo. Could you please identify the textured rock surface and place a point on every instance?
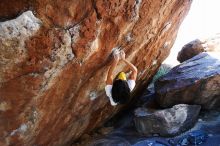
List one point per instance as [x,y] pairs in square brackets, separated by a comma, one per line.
[197,46]
[195,81]
[167,122]
[190,50]
[53,63]
[208,122]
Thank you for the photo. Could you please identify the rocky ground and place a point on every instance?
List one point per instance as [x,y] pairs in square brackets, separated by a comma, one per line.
[122,132]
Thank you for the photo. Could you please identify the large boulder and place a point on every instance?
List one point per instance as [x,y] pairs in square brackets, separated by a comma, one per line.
[197,46]
[195,81]
[190,50]
[54,58]
[167,122]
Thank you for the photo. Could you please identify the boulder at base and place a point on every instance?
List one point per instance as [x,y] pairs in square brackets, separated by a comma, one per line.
[195,81]
[197,46]
[167,122]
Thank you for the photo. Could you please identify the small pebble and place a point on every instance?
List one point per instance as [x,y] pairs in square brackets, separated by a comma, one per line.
[200,120]
[156,135]
[210,135]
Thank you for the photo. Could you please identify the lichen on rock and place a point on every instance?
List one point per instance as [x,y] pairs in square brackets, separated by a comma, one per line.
[13,34]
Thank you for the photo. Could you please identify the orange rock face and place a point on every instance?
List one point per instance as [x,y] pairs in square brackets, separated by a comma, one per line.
[54,60]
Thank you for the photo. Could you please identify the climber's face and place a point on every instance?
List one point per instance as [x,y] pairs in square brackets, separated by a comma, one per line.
[121,76]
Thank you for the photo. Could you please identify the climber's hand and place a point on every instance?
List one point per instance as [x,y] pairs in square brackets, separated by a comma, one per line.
[117,57]
[122,55]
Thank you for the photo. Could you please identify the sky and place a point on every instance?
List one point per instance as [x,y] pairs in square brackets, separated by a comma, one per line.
[202,21]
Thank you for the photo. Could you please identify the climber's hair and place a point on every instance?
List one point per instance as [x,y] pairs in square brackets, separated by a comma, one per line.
[120,91]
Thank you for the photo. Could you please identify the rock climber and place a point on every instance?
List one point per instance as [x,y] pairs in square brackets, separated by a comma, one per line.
[119,89]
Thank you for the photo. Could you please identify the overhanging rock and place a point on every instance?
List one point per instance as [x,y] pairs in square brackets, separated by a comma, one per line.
[52,72]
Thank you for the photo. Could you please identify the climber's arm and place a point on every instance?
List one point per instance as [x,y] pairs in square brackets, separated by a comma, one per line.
[134,70]
[109,80]
[133,75]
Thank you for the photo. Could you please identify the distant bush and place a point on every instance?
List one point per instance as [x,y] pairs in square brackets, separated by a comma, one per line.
[164,69]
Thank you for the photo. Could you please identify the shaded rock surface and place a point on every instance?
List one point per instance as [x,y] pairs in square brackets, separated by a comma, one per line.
[197,46]
[208,122]
[167,122]
[195,81]
[54,60]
